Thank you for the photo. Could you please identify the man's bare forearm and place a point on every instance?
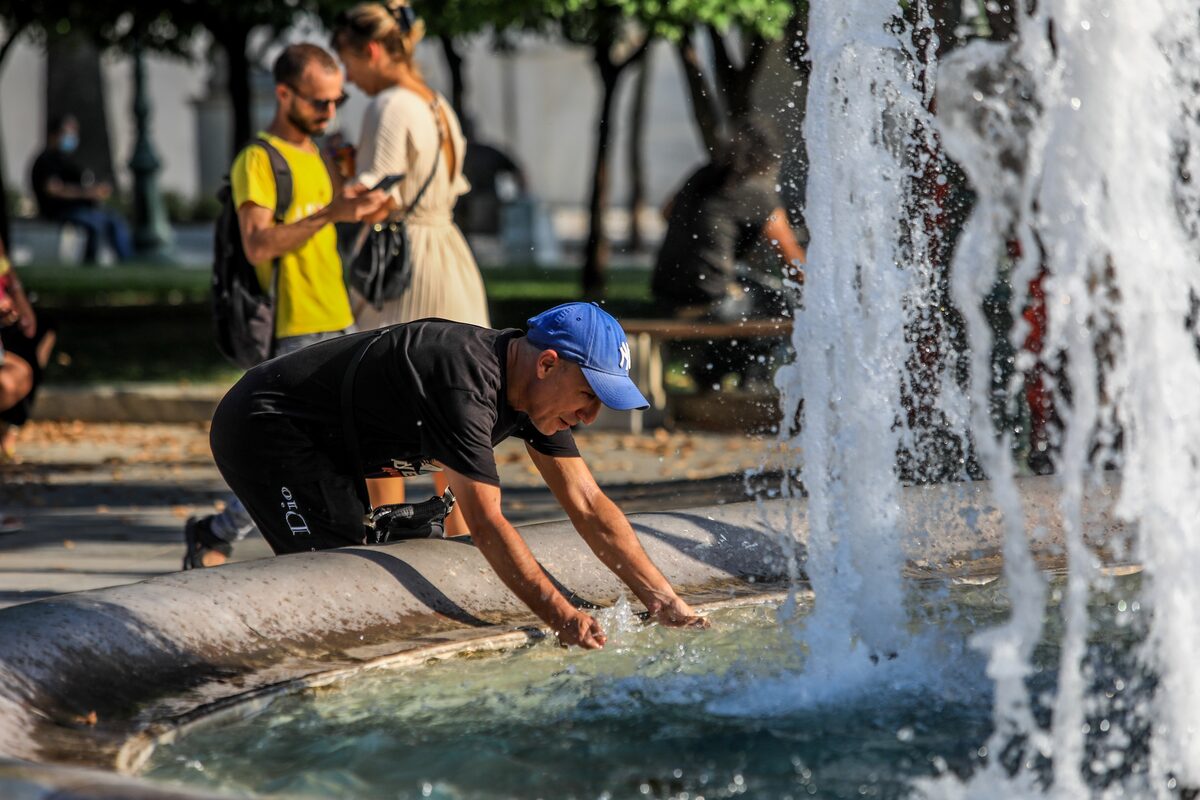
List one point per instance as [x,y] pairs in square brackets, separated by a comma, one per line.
[513,561]
[272,242]
[70,191]
[610,536]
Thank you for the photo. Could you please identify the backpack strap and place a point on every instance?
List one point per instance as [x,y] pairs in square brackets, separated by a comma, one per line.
[283,179]
[283,201]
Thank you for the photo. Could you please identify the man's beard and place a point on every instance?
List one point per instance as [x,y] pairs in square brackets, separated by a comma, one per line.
[309,127]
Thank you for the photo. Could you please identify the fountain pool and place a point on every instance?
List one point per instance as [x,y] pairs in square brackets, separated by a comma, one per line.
[665,714]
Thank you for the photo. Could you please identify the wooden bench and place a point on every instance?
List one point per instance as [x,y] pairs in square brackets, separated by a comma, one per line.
[648,337]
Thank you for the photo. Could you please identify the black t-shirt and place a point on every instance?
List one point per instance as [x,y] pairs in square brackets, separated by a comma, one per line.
[712,223]
[425,391]
[53,163]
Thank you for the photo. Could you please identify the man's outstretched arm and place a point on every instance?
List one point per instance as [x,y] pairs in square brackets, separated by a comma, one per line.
[610,536]
[512,560]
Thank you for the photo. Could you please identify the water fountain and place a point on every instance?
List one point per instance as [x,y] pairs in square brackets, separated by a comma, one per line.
[1077,137]
[910,671]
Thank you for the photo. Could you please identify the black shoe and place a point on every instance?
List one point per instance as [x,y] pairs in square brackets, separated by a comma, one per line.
[200,540]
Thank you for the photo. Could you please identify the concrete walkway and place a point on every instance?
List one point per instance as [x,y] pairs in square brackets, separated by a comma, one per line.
[105,503]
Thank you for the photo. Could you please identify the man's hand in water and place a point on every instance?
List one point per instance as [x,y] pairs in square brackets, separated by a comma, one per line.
[675,613]
[582,630]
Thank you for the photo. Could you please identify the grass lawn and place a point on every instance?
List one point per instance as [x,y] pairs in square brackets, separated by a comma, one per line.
[152,323]
[144,285]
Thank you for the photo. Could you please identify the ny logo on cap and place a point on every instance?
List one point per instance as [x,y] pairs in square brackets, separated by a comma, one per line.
[626,361]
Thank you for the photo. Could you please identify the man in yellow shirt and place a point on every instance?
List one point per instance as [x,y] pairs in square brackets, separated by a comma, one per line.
[296,260]
[310,297]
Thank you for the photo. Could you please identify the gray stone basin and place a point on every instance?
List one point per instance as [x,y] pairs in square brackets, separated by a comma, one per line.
[89,682]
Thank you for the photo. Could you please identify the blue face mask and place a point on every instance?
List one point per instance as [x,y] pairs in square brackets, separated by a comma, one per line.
[68,142]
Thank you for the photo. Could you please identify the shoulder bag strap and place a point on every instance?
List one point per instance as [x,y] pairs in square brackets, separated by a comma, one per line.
[347,404]
[436,160]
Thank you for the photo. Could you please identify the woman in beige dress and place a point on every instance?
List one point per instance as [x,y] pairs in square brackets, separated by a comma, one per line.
[404,128]
[401,132]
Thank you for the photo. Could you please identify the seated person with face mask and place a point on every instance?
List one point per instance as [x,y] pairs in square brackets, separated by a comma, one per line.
[66,192]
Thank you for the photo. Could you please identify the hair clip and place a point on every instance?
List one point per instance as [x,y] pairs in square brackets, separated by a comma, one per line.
[405,16]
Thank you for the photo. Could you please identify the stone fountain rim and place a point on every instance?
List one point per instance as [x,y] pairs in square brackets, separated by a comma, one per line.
[691,542]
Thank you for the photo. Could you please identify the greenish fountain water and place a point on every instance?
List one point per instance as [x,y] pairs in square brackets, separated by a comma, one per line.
[666,714]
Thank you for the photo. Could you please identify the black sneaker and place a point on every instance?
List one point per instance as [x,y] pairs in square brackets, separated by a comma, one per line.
[200,540]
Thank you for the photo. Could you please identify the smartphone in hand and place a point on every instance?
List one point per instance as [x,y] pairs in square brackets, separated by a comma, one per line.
[387,182]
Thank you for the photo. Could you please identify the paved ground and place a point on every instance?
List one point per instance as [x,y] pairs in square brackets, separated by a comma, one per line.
[104,504]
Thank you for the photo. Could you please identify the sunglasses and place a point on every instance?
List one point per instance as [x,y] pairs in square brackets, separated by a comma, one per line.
[318,104]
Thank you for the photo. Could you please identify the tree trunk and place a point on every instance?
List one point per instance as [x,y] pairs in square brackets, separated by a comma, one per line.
[596,253]
[742,100]
[637,145]
[233,42]
[454,63]
[723,68]
[705,112]
[74,86]
[735,83]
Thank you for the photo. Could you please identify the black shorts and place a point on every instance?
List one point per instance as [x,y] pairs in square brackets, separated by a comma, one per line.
[299,499]
[299,516]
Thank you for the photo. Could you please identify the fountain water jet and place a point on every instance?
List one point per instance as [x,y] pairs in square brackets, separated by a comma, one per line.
[863,103]
[1078,137]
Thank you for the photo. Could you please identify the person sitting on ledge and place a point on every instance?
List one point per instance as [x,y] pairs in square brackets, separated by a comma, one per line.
[66,192]
[704,271]
[296,435]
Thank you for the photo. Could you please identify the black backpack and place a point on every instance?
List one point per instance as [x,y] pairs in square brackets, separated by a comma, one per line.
[243,314]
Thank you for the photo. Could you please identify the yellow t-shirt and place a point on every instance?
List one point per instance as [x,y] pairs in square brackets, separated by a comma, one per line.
[312,294]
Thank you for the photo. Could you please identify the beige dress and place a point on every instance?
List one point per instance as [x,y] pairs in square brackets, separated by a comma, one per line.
[400,135]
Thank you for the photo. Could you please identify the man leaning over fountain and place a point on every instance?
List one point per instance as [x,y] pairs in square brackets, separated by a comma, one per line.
[296,435]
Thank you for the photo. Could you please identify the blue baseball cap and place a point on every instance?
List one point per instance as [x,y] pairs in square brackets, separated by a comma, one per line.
[590,337]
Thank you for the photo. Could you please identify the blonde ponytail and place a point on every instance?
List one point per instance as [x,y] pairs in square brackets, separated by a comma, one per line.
[394,26]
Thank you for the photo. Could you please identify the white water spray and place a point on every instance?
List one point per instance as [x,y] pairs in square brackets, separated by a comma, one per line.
[862,106]
[1075,137]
